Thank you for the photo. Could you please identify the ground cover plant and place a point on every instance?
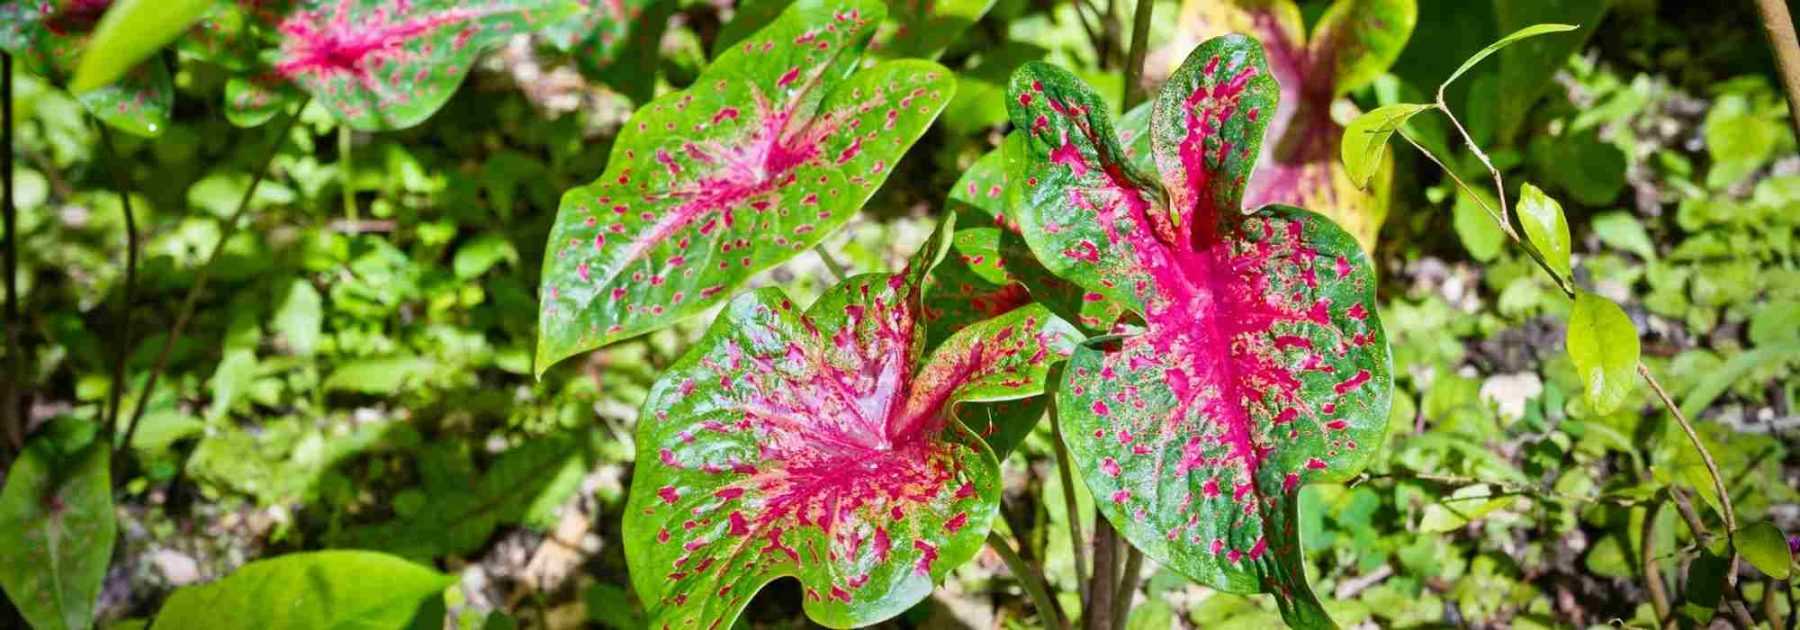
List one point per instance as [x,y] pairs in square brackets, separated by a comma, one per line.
[987,314]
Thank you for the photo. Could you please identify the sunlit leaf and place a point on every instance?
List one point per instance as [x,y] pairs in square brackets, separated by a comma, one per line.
[56,532]
[1545,226]
[129,33]
[1603,344]
[1523,33]
[48,38]
[818,445]
[1366,138]
[1766,548]
[1260,365]
[320,589]
[775,146]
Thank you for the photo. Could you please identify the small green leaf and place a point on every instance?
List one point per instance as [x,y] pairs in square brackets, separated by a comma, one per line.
[1465,505]
[56,532]
[1619,230]
[230,380]
[1766,549]
[1604,346]
[299,317]
[1545,227]
[129,33]
[1366,138]
[1529,31]
[321,589]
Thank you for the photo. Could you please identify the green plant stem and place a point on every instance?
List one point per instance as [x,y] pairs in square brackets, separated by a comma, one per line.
[1031,579]
[1712,468]
[1778,26]
[836,268]
[1128,584]
[1771,608]
[1653,583]
[1134,63]
[1703,536]
[127,301]
[1096,613]
[192,299]
[1064,474]
[347,172]
[12,418]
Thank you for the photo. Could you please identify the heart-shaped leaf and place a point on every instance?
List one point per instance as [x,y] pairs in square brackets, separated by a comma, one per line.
[776,145]
[817,445]
[48,38]
[1354,41]
[1260,365]
[319,589]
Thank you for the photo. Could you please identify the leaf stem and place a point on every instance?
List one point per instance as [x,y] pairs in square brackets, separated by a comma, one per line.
[1134,64]
[1712,467]
[1077,542]
[1499,188]
[189,302]
[1779,27]
[1128,584]
[12,418]
[347,173]
[1659,596]
[123,335]
[1031,579]
[836,268]
[1097,611]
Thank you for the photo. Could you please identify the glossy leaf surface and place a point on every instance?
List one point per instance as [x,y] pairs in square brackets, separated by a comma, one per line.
[56,533]
[129,33]
[1364,148]
[321,589]
[818,445]
[1353,42]
[1603,345]
[48,39]
[1545,226]
[776,145]
[1260,365]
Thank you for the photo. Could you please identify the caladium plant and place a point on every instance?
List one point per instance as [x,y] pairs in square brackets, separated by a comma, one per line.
[375,64]
[780,140]
[821,445]
[1259,365]
[1353,42]
[47,36]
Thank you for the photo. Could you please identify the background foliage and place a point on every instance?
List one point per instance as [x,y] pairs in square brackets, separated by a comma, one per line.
[364,382]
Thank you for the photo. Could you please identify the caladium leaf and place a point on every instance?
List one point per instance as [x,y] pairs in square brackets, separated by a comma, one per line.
[599,29]
[778,142]
[924,28]
[48,36]
[1260,365]
[1354,42]
[816,445]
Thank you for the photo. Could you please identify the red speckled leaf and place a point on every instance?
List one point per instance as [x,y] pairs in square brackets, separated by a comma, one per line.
[1354,42]
[777,143]
[598,30]
[47,37]
[1260,365]
[816,445]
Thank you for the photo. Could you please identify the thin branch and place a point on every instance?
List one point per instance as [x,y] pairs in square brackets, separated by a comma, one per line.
[1096,612]
[1499,188]
[837,269]
[128,300]
[1110,52]
[1031,579]
[188,304]
[1779,27]
[1134,64]
[1712,468]
[1077,542]
[1128,584]
[1081,17]
[12,418]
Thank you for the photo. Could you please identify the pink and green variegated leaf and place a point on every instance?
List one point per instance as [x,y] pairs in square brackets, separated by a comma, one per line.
[48,37]
[252,101]
[775,146]
[379,64]
[973,283]
[599,29]
[1354,42]
[815,445]
[1260,365]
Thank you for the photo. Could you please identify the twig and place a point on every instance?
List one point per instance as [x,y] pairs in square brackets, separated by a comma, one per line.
[127,301]
[836,268]
[1128,584]
[1703,536]
[192,299]
[1779,27]
[1110,26]
[1077,542]
[1499,188]
[1081,17]
[1712,468]
[347,173]
[13,416]
[1096,612]
[1134,64]
[1031,579]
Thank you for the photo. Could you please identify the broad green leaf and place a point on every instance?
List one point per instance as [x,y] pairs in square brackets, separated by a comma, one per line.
[1545,227]
[318,589]
[1766,548]
[1467,504]
[924,28]
[1604,347]
[56,532]
[1366,138]
[1478,230]
[1528,67]
[774,147]
[300,317]
[384,375]
[1523,33]
[1620,230]
[1360,39]
[230,380]
[822,445]
[598,31]
[1261,364]
[48,38]
[130,32]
